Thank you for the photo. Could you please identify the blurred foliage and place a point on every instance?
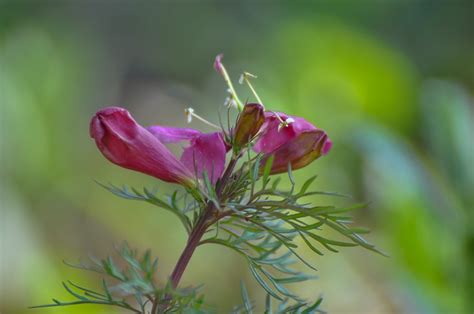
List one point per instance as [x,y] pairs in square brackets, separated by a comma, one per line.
[391,82]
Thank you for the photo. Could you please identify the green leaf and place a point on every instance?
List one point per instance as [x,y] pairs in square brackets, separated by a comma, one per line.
[76,295]
[266,170]
[246,299]
[112,270]
[275,183]
[294,279]
[307,184]
[290,175]
[210,190]
[314,307]
[262,282]
[268,304]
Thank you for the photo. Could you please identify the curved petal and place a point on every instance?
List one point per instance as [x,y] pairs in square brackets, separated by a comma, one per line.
[127,144]
[272,137]
[206,153]
[300,151]
[327,145]
[166,134]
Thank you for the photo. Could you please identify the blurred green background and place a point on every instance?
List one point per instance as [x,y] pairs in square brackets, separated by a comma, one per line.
[391,82]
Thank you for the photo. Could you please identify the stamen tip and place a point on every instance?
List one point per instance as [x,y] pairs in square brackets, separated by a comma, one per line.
[188,112]
[241,78]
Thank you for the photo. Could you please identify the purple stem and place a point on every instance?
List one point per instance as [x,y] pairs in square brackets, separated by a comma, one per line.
[196,235]
[193,242]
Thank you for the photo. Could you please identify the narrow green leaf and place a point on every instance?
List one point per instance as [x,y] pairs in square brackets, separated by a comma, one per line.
[268,304]
[279,287]
[275,183]
[294,279]
[111,269]
[262,282]
[358,230]
[88,292]
[307,184]
[313,308]
[266,170]
[106,290]
[290,175]
[310,245]
[210,189]
[76,295]
[246,299]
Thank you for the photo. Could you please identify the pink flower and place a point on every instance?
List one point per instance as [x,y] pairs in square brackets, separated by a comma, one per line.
[126,143]
[298,143]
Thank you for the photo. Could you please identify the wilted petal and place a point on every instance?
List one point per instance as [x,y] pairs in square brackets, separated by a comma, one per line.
[167,134]
[127,144]
[206,153]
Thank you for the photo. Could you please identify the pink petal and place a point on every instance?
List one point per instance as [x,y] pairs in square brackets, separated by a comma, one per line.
[206,153]
[272,138]
[300,151]
[127,144]
[326,146]
[166,134]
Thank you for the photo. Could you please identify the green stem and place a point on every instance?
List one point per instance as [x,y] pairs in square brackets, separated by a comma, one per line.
[252,89]
[231,88]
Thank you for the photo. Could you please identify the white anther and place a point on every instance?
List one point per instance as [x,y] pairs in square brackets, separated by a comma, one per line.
[188,112]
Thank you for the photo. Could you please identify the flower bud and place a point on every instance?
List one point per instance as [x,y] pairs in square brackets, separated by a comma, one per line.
[218,64]
[248,124]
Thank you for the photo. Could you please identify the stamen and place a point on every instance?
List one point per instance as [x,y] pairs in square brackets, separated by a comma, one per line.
[189,113]
[283,124]
[289,120]
[229,102]
[246,77]
[233,94]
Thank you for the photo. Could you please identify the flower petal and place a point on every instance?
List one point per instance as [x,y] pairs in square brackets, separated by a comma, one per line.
[127,144]
[166,134]
[206,153]
[273,136]
[300,151]
[327,145]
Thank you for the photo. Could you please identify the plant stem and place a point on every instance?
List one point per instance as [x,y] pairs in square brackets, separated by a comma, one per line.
[194,239]
[183,261]
[199,229]
[191,245]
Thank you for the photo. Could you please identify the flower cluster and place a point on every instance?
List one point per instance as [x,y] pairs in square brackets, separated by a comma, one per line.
[289,139]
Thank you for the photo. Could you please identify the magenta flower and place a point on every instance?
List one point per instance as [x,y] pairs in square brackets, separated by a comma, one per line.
[206,152]
[298,142]
[126,143]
